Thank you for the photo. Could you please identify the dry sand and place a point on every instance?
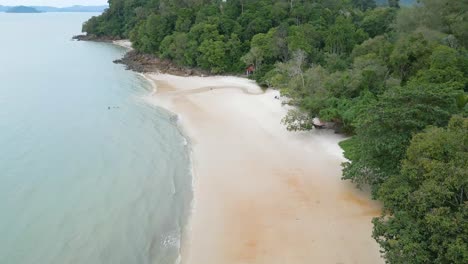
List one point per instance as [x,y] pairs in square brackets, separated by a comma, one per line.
[263,194]
[124,43]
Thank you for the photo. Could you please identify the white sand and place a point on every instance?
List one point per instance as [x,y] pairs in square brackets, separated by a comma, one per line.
[263,194]
[125,43]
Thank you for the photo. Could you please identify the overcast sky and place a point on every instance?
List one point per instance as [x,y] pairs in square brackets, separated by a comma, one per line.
[58,3]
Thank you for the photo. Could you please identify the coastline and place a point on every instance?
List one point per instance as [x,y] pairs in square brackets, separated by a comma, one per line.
[263,194]
[147,63]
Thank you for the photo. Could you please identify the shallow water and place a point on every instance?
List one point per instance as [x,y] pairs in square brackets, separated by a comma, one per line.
[89,172]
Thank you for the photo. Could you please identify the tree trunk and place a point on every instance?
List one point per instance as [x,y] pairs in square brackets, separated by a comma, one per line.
[302,78]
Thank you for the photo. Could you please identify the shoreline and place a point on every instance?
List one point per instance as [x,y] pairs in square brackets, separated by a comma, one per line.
[147,63]
[221,122]
[127,45]
[288,202]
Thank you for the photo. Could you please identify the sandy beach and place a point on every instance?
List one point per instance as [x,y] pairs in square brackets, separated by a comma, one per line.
[263,194]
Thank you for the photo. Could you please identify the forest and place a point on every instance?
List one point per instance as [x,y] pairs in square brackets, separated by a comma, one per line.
[392,76]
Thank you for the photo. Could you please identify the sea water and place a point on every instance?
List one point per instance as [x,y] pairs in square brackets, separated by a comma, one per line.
[89,172]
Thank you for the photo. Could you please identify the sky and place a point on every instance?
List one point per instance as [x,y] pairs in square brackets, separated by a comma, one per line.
[57,3]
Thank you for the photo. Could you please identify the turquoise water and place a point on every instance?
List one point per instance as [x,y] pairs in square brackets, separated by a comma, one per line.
[81,183]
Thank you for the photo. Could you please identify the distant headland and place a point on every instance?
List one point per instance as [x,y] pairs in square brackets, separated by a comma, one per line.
[47,9]
[22,9]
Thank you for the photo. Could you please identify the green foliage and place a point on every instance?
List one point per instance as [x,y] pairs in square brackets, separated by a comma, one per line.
[349,148]
[378,21]
[379,46]
[410,54]
[305,37]
[343,36]
[394,3]
[364,4]
[148,35]
[445,16]
[446,66]
[385,130]
[174,47]
[426,203]
[184,20]
[297,120]
[212,55]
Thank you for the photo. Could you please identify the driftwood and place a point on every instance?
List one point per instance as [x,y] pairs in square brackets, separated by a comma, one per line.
[319,126]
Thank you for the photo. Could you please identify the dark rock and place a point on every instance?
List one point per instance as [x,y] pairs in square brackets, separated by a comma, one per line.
[91,37]
[143,63]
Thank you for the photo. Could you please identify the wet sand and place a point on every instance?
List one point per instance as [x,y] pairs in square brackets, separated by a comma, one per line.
[263,194]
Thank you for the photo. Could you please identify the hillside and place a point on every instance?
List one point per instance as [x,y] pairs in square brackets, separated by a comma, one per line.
[22,9]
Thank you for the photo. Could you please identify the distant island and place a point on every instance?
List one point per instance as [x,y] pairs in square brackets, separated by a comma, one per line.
[47,9]
[22,9]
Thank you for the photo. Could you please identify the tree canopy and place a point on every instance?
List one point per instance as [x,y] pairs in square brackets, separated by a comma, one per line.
[426,203]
